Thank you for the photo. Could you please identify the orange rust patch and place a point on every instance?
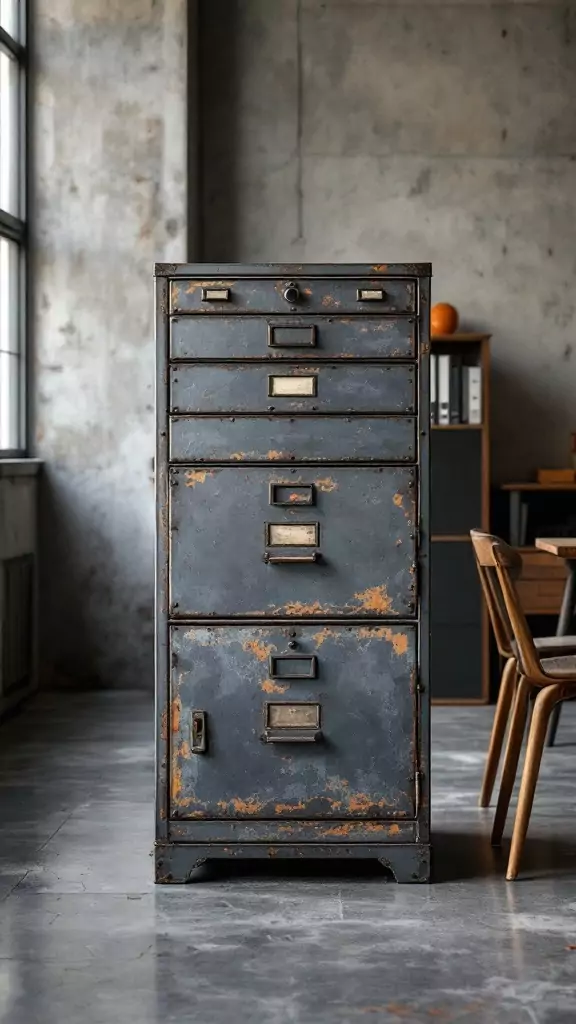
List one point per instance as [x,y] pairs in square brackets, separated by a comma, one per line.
[196,476]
[273,454]
[399,643]
[174,288]
[176,787]
[271,687]
[326,485]
[340,830]
[398,499]
[375,599]
[394,830]
[380,268]
[184,750]
[258,649]
[192,287]
[299,608]
[164,725]
[251,806]
[323,635]
[363,802]
[176,712]
[286,808]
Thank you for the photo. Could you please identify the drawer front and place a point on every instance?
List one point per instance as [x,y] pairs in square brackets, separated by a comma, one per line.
[292,388]
[254,337]
[279,542]
[305,295]
[309,438]
[323,729]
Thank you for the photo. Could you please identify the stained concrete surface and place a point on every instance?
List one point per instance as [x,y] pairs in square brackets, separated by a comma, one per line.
[373,131]
[85,936]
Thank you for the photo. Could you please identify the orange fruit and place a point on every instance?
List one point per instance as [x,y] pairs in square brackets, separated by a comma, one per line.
[443,318]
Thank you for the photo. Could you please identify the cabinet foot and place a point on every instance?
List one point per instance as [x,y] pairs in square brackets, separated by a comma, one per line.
[178,863]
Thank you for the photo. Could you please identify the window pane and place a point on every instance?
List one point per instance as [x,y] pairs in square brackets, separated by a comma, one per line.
[9,400]
[9,133]
[9,17]
[9,296]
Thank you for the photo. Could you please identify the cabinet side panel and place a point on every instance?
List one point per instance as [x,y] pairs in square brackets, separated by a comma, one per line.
[424,556]
[161,575]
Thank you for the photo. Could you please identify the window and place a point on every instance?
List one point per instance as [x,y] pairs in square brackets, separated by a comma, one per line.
[12,225]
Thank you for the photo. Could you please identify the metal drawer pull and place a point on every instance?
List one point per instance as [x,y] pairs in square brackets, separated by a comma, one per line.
[292,736]
[371,294]
[198,743]
[291,336]
[215,295]
[292,666]
[287,495]
[291,559]
[292,723]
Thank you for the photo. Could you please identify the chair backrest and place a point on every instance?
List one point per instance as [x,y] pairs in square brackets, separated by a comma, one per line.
[499,620]
[501,566]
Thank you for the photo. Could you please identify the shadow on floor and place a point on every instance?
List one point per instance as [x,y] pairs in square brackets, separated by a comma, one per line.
[457,857]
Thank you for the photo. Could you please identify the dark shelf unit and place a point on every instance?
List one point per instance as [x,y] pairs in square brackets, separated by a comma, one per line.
[460,501]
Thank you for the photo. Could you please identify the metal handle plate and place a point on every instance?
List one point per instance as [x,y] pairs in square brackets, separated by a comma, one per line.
[215,295]
[198,731]
[291,336]
[371,295]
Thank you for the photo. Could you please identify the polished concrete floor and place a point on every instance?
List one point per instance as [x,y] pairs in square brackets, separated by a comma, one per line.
[85,938]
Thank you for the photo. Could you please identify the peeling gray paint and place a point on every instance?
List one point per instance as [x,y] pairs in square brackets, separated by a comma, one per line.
[110,145]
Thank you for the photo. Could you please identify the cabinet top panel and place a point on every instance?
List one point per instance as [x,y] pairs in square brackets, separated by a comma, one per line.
[293,269]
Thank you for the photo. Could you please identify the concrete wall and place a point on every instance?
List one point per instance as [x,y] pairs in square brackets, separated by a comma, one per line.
[380,131]
[110,198]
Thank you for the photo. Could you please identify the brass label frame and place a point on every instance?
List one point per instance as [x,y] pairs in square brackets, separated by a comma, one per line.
[285,385]
[292,535]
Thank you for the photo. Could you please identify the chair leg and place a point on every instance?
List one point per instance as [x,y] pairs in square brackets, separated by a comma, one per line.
[513,747]
[554,720]
[501,716]
[544,704]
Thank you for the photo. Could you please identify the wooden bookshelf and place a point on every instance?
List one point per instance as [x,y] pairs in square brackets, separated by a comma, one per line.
[460,492]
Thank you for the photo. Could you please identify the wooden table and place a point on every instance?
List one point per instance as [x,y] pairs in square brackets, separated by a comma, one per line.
[562,547]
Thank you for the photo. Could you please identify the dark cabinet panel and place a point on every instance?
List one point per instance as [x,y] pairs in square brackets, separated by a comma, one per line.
[289,722]
[456,481]
[302,337]
[209,387]
[308,438]
[275,542]
[305,295]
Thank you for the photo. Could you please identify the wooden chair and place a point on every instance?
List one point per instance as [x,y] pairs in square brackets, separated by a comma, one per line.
[504,637]
[552,679]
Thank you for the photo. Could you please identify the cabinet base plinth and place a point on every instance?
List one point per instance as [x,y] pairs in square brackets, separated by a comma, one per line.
[175,863]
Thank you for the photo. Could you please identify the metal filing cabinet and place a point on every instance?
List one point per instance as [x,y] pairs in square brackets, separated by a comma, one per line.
[292,565]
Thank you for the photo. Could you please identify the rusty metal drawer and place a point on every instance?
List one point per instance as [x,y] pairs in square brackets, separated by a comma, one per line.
[281,438]
[303,337]
[355,686]
[293,387]
[287,542]
[302,295]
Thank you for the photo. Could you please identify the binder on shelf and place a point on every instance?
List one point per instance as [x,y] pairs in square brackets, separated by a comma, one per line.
[474,388]
[455,389]
[444,390]
[433,390]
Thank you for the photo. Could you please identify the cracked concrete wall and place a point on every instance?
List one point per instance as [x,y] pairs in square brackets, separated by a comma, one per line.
[110,199]
[422,130]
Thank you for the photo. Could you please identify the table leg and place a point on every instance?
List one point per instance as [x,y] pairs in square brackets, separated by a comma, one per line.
[565,621]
